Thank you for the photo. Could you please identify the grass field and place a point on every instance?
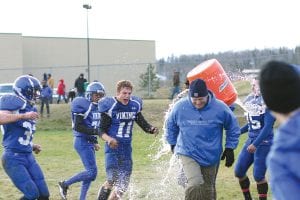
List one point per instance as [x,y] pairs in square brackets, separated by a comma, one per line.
[152,178]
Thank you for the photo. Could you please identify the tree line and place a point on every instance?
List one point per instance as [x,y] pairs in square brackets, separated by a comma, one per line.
[230,60]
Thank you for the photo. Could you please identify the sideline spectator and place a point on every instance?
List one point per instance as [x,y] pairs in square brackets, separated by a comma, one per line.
[79,85]
[45,78]
[85,85]
[195,131]
[61,91]
[280,86]
[50,83]
[176,84]
[71,95]
[46,94]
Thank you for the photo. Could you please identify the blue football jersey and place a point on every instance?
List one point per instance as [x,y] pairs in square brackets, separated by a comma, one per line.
[123,116]
[89,111]
[256,116]
[17,136]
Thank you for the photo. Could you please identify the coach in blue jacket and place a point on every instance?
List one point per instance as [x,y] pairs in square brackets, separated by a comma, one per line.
[195,131]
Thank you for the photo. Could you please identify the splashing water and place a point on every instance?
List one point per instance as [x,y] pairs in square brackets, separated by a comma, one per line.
[163,181]
[239,102]
[164,185]
[160,184]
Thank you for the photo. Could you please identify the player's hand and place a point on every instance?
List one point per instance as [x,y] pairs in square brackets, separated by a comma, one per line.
[97,147]
[112,143]
[251,148]
[154,130]
[30,115]
[36,148]
[229,155]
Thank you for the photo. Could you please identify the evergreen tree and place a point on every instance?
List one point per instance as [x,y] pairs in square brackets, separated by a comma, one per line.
[149,81]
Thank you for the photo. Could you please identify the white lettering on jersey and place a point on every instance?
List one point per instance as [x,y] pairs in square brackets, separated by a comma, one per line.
[96,120]
[27,133]
[126,115]
[124,133]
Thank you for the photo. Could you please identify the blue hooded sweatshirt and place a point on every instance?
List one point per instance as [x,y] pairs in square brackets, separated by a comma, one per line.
[284,160]
[198,133]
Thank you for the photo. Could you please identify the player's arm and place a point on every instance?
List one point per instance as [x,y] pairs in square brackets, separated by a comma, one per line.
[269,121]
[141,121]
[105,124]
[244,129]
[82,128]
[9,117]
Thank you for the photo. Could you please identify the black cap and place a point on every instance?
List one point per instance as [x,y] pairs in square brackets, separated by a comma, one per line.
[280,86]
[198,88]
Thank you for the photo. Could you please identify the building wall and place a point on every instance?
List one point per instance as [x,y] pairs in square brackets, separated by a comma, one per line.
[114,60]
[11,56]
[65,58]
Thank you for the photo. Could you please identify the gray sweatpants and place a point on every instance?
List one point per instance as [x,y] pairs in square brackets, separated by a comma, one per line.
[201,181]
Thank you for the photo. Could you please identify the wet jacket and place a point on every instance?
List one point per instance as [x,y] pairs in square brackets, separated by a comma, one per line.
[198,133]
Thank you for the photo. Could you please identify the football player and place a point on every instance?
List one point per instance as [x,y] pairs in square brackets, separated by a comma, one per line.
[257,146]
[118,115]
[85,124]
[17,159]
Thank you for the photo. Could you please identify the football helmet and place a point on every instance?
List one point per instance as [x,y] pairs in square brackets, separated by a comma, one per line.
[94,88]
[255,87]
[27,87]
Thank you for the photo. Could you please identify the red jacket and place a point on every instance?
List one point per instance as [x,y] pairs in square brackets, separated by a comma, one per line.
[61,87]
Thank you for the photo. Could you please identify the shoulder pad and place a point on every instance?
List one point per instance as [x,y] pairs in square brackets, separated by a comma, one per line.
[106,103]
[80,105]
[137,99]
[11,103]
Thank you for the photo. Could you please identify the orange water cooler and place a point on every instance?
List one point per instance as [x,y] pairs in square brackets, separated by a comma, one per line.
[212,72]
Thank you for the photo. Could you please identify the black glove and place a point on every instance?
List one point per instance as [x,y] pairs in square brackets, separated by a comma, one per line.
[172,148]
[229,155]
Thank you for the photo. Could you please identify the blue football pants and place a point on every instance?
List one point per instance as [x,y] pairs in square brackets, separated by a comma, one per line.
[258,159]
[25,174]
[86,151]
[118,164]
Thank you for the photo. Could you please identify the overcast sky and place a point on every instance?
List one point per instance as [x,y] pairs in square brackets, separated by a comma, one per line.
[178,26]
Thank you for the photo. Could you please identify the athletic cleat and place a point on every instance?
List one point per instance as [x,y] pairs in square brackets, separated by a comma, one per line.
[103,193]
[62,190]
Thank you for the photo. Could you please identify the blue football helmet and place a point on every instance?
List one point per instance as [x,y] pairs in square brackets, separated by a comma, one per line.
[27,87]
[94,88]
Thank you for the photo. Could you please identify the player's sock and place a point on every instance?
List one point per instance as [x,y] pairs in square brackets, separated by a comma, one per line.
[103,193]
[262,190]
[245,184]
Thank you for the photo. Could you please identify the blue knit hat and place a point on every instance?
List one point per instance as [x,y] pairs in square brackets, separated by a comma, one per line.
[198,88]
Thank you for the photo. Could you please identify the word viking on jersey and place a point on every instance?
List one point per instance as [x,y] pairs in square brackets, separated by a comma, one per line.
[126,115]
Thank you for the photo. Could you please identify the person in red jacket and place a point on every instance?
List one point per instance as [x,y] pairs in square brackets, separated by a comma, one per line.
[61,91]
